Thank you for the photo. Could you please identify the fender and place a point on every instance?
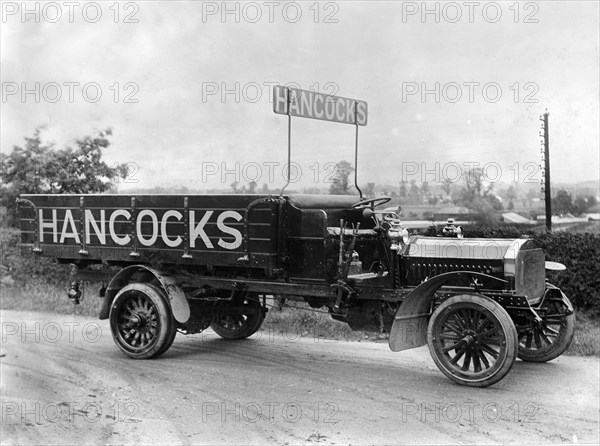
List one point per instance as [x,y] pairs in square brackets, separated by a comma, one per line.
[177,299]
[409,329]
[553,292]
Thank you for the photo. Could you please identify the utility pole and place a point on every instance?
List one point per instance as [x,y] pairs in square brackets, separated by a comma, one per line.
[546,159]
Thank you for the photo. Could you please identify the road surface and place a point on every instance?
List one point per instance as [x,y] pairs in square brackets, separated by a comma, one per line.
[63,381]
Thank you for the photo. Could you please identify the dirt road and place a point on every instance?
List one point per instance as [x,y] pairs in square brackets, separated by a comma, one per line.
[65,382]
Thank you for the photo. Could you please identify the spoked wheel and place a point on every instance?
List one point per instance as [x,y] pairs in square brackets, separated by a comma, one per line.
[240,324]
[141,321]
[472,340]
[549,339]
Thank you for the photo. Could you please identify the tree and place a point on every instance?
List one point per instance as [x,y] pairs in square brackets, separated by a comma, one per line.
[476,195]
[582,204]
[402,191]
[414,192]
[370,190]
[339,185]
[447,186]
[40,168]
[475,186]
[562,203]
[511,193]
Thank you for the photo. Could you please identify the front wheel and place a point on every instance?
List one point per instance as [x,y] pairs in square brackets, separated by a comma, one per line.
[141,321]
[549,339]
[472,340]
[241,323]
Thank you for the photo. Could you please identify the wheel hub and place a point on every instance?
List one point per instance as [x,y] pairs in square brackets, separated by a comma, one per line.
[469,338]
[138,321]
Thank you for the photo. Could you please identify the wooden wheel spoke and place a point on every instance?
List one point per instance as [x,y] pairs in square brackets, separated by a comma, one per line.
[486,322]
[476,361]
[451,337]
[459,322]
[450,347]
[452,327]
[545,338]
[487,333]
[467,362]
[483,358]
[459,354]
[486,348]
[467,318]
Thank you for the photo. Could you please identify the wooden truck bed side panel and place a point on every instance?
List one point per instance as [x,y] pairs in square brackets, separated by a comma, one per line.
[194,229]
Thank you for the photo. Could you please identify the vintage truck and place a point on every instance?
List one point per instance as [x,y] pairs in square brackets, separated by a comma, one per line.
[189,262]
[198,261]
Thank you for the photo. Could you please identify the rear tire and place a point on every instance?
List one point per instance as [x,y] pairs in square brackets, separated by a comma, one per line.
[240,325]
[472,340]
[141,321]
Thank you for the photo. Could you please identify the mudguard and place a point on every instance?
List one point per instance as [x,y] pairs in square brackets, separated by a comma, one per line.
[554,292]
[409,329]
[177,300]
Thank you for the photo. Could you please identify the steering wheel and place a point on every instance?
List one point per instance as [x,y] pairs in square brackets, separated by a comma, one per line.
[372,202]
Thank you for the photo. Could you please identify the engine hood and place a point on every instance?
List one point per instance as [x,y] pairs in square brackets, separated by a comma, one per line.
[466,248]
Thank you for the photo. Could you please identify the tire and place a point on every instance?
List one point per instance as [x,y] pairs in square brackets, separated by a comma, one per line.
[472,340]
[552,338]
[141,321]
[241,325]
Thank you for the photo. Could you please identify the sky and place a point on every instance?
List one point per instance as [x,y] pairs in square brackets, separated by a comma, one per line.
[187,87]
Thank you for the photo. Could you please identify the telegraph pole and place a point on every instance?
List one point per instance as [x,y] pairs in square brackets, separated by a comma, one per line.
[546,188]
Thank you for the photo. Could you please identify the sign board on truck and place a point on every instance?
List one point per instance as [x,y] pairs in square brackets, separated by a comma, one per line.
[310,104]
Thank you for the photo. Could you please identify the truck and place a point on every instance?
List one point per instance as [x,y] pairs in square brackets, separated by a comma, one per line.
[189,262]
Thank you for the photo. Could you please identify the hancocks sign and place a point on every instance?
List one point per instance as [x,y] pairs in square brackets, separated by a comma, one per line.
[310,104]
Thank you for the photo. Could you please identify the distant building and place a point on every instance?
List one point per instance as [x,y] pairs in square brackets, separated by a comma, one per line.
[514,218]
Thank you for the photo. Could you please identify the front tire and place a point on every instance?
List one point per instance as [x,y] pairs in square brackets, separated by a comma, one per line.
[472,340]
[553,337]
[141,321]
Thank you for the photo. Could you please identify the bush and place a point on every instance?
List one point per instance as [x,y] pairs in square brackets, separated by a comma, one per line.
[579,252]
[28,269]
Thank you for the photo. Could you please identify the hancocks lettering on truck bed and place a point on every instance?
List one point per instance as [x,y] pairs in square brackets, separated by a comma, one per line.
[206,228]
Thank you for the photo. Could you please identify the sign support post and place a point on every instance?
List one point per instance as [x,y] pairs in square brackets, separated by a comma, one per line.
[309,104]
[356,151]
[289,163]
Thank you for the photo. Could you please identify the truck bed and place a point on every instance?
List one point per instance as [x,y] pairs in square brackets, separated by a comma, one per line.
[193,229]
[243,231]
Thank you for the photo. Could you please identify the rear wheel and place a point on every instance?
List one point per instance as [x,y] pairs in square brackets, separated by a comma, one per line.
[550,338]
[472,340]
[141,321]
[240,324]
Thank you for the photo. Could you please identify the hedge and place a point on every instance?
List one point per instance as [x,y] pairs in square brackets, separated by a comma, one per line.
[579,252]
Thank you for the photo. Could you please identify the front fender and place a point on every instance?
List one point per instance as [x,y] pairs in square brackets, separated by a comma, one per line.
[409,329]
[177,300]
[553,292]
